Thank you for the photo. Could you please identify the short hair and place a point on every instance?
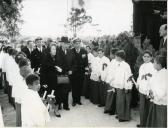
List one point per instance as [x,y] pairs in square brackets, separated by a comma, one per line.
[113,50]
[52,44]
[8,49]
[161,60]
[25,71]
[95,49]
[121,54]
[31,78]
[38,38]
[28,42]
[100,49]
[88,47]
[23,62]
[147,52]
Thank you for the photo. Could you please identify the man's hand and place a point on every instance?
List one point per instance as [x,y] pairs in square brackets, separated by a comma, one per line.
[69,72]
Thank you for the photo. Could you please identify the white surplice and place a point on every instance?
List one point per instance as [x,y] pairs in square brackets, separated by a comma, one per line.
[121,75]
[34,112]
[158,84]
[95,69]
[142,83]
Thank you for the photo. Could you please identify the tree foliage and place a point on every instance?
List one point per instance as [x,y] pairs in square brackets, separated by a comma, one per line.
[77,19]
[10,17]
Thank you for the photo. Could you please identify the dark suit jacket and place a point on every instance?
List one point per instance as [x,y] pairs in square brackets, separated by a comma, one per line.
[36,59]
[81,61]
[68,59]
[163,44]
[27,52]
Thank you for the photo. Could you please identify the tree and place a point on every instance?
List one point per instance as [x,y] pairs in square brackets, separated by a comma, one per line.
[77,19]
[10,17]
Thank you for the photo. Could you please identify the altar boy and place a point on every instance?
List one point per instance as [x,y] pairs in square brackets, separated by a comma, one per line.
[110,105]
[123,87]
[104,63]
[34,112]
[157,116]
[95,78]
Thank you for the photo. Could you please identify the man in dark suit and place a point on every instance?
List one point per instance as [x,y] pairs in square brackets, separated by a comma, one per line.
[78,73]
[28,49]
[163,34]
[66,55]
[36,55]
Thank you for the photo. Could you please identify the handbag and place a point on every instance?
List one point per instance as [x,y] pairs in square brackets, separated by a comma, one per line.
[62,79]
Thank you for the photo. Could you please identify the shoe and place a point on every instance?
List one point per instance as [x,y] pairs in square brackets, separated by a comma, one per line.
[138,125]
[57,114]
[120,120]
[67,108]
[111,113]
[100,105]
[59,107]
[79,103]
[106,112]
[73,104]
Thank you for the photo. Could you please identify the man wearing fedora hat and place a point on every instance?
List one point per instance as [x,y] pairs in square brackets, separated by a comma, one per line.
[65,54]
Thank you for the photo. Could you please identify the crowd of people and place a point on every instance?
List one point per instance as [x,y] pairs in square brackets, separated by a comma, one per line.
[114,75]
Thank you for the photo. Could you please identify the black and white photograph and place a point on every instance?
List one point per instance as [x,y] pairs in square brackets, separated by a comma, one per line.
[83,63]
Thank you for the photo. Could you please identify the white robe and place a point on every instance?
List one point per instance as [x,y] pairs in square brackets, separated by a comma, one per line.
[9,61]
[2,55]
[158,84]
[90,57]
[110,72]
[121,76]
[34,112]
[143,70]
[103,60]
[95,69]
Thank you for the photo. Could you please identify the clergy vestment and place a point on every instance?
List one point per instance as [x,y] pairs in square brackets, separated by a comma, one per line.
[110,104]
[157,116]
[146,68]
[104,63]
[34,112]
[123,90]
[95,80]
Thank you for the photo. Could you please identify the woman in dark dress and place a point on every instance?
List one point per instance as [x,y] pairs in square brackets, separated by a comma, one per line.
[51,71]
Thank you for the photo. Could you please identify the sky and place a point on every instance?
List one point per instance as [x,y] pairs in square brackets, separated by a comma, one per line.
[47,17]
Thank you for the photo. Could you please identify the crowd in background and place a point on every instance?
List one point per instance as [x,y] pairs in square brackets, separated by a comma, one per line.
[110,72]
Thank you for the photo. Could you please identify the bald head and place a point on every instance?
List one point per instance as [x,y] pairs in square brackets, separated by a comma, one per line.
[163,30]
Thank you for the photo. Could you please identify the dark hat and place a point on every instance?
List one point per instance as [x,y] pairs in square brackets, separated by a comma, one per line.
[64,39]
